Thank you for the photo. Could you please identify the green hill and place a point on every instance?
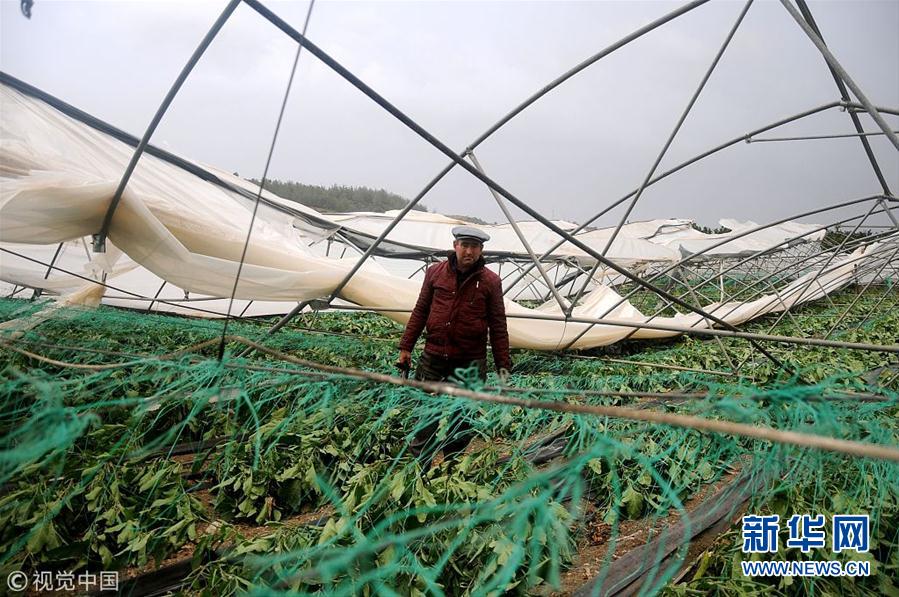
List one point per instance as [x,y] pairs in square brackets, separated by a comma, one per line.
[338,198]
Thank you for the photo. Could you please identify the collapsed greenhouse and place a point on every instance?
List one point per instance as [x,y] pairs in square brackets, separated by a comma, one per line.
[199,391]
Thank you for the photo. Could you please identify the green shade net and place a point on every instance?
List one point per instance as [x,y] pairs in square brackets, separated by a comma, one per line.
[267,476]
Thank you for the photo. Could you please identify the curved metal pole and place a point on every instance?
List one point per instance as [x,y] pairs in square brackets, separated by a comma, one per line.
[807,13]
[830,253]
[840,319]
[156,296]
[763,227]
[668,142]
[755,255]
[499,124]
[724,242]
[746,138]
[524,241]
[830,259]
[268,161]
[718,341]
[102,283]
[53,261]
[521,107]
[791,266]
[784,242]
[765,281]
[862,133]
[443,148]
[894,348]
[876,305]
[841,72]
[882,109]
[832,286]
[100,237]
[802,290]
[588,62]
[690,162]
[798,262]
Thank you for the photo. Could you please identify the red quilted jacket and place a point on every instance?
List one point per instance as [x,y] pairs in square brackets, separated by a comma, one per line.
[458,317]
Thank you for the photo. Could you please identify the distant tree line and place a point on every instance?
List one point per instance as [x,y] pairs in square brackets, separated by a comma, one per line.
[835,237]
[338,198]
[707,230]
[471,219]
[832,237]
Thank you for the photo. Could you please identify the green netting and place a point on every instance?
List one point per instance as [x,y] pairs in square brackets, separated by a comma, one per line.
[274,477]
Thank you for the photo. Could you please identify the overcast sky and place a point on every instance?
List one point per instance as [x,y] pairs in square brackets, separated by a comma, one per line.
[457,67]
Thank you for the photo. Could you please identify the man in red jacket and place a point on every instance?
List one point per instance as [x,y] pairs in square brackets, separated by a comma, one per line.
[460,302]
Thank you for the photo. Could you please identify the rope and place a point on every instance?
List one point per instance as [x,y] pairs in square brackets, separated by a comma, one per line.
[163,357]
[806,440]
[657,396]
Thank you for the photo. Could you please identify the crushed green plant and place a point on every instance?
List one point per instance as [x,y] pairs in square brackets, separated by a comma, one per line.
[301,480]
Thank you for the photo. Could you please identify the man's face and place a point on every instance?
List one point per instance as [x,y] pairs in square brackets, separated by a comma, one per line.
[467,252]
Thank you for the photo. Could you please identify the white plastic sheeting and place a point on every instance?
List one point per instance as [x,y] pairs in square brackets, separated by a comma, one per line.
[434,231]
[742,238]
[58,176]
[636,242]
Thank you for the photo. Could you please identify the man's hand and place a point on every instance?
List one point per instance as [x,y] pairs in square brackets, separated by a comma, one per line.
[405,360]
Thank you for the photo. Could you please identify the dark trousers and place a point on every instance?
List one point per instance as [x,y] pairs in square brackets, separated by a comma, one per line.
[424,446]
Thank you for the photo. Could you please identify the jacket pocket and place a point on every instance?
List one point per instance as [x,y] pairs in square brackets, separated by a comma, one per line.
[441,307]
